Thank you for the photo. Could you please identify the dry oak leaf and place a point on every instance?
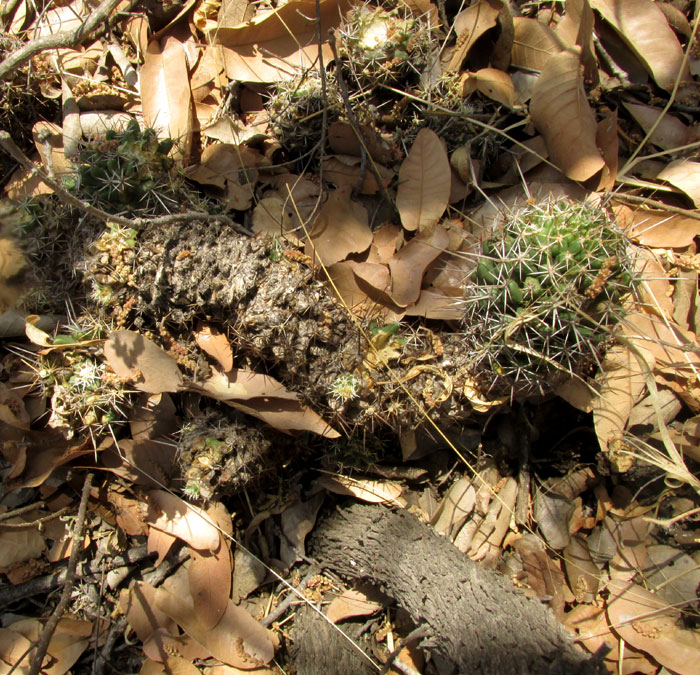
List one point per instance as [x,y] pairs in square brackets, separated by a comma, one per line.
[274,45]
[165,92]
[645,30]
[648,623]
[237,639]
[657,229]
[351,603]
[216,344]
[182,520]
[561,113]
[533,43]
[409,264]
[265,398]
[372,491]
[340,229]
[424,182]
[141,361]
[493,83]
[622,384]
[685,175]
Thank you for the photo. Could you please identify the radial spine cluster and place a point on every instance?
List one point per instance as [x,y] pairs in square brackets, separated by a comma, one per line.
[546,291]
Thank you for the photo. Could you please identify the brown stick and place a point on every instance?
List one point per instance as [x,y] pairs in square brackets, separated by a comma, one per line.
[46,635]
[69,38]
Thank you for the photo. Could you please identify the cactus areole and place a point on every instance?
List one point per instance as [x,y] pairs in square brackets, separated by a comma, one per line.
[544,297]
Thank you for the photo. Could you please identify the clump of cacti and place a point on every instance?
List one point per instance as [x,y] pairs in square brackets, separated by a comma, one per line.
[547,289]
[127,171]
[296,111]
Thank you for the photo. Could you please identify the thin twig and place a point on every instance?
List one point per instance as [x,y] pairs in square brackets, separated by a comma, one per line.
[695,215]
[69,38]
[31,523]
[50,627]
[286,603]
[21,511]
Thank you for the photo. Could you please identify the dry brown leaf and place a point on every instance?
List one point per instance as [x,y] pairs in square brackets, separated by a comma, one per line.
[409,264]
[152,416]
[274,45]
[434,304]
[658,336]
[657,229]
[561,113]
[137,603]
[14,650]
[216,344]
[171,665]
[18,546]
[576,28]
[165,92]
[581,572]
[144,462]
[372,491]
[237,639]
[534,42]
[265,398]
[176,517]
[685,175]
[424,182]
[493,83]
[621,383]
[340,229]
[470,24]
[644,29]
[210,577]
[128,512]
[455,507]
[297,521]
[351,603]
[69,641]
[142,362]
[344,170]
[670,133]
[648,623]
[654,288]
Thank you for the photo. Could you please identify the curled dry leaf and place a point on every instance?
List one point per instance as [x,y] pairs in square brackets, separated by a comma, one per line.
[274,45]
[182,520]
[142,362]
[237,639]
[561,113]
[424,182]
[533,43]
[351,603]
[685,175]
[493,83]
[644,29]
[340,229]
[657,229]
[372,491]
[409,264]
[621,383]
[648,623]
[455,507]
[216,344]
[265,398]
[165,92]
[470,25]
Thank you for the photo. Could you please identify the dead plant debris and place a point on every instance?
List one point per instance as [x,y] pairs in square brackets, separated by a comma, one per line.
[259,261]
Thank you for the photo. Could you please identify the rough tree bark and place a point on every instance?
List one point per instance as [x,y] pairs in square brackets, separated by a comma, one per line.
[478,622]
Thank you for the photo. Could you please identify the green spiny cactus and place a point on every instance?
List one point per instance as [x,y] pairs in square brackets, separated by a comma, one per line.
[546,290]
[128,171]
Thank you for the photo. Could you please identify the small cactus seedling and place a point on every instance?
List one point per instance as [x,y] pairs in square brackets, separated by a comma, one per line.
[127,171]
[547,288]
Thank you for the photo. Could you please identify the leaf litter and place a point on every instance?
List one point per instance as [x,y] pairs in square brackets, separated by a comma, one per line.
[134,387]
